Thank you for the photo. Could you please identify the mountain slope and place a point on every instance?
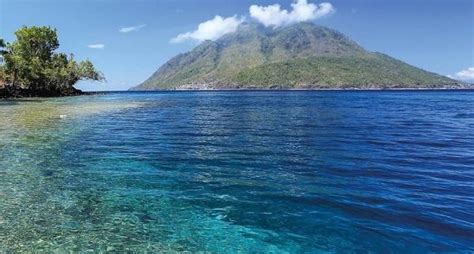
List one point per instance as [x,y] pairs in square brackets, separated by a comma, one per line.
[300,56]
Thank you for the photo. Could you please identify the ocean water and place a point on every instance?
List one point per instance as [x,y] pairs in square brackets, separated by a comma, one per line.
[228,172]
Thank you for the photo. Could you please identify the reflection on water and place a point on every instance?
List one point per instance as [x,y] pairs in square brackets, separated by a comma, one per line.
[237,171]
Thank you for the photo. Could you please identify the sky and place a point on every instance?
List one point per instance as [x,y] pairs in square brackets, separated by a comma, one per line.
[128,40]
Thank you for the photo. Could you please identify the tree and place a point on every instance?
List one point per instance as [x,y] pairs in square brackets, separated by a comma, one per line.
[2,71]
[31,64]
[2,45]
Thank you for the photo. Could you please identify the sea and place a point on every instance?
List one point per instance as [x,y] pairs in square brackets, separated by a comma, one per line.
[239,172]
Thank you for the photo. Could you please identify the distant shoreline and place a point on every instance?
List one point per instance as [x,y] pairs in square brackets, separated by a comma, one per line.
[288,90]
[92,93]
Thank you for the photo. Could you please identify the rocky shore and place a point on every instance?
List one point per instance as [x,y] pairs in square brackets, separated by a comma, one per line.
[14,92]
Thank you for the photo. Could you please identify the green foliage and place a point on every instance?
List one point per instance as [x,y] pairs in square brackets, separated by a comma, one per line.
[31,63]
[2,69]
[369,71]
[2,46]
[35,43]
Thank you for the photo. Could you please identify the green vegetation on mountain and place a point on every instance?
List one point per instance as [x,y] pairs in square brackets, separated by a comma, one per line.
[371,71]
[299,56]
[33,68]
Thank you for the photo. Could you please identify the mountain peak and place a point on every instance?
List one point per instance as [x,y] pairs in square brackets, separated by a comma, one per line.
[302,55]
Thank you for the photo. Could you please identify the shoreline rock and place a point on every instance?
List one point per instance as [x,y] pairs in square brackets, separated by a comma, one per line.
[10,92]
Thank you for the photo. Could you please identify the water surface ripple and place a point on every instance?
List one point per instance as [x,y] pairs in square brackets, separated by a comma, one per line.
[226,172]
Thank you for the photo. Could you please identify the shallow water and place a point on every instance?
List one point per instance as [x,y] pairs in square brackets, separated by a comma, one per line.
[281,172]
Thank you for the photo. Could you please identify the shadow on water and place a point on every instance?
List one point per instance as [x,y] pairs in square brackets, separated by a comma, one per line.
[10,102]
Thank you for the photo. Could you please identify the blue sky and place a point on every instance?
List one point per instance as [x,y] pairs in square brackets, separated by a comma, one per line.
[436,35]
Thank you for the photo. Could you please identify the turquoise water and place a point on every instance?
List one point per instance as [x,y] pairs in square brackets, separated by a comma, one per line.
[227,172]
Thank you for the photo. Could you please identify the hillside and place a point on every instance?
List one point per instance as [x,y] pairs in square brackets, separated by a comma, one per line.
[299,56]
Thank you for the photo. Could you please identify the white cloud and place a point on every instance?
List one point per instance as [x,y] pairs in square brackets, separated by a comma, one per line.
[96,46]
[467,74]
[211,30]
[274,16]
[131,28]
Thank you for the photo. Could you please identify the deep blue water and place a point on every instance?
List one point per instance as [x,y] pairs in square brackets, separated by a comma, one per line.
[281,172]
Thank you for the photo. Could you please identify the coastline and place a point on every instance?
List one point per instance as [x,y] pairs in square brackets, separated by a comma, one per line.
[14,94]
[207,87]
[93,93]
[295,89]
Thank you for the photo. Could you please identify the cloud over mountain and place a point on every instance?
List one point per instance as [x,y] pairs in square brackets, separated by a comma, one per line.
[274,16]
[211,30]
[467,74]
[269,16]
